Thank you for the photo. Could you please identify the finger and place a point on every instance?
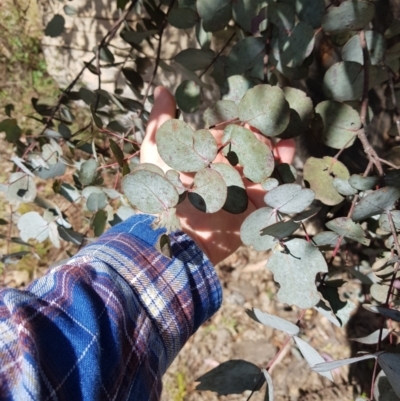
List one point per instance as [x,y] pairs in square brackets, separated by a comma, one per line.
[284,151]
[163,110]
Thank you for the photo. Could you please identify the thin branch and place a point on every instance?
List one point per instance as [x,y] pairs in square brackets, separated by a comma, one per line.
[393,95]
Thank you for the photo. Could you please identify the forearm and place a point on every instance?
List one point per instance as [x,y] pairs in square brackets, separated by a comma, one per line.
[110,321]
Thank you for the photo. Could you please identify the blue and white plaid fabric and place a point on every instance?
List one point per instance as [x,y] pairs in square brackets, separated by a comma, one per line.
[108,323]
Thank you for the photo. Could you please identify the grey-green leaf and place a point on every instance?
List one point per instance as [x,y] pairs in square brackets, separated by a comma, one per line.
[390,364]
[255,157]
[346,227]
[188,95]
[245,11]
[289,198]
[310,11]
[96,201]
[343,186]
[265,108]
[220,112]
[384,223]
[326,238]
[236,200]
[195,59]
[282,15]
[341,123]
[344,81]
[209,191]
[55,27]
[99,222]
[215,13]
[253,224]
[295,267]
[183,17]
[372,338]
[33,225]
[351,15]
[280,230]
[183,149]
[88,172]
[273,321]
[377,202]
[21,188]
[235,87]
[149,191]
[363,183]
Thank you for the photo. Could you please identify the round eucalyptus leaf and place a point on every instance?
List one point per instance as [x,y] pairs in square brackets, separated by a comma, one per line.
[376,46]
[247,58]
[33,225]
[88,172]
[265,108]
[149,167]
[299,101]
[245,11]
[209,191]
[377,202]
[203,38]
[234,88]
[149,191]
[236,199]
[343,187]
[55,170]
[96,201]
[221,111]
[344,81]
[173,176]
[341,123]
[384,223]
[351,15]
[255,157]
[346,227]
[51,152]
[250,231]
[363,183]
[215,13]
[55,27]
[319,173]
[280,230]
[21,188]
[310,11]
[183,149]
[195,59]
[183,17]
[187,96]
[289,198]
[270,183]
[295,267]
[326,238]
[281,15]
[69,10]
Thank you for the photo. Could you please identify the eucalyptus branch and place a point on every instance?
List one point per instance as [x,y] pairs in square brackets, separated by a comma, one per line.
[393,96]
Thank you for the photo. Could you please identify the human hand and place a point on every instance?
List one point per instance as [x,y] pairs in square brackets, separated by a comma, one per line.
[217,234]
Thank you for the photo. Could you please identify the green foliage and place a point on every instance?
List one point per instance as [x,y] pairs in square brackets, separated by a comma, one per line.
[265,58]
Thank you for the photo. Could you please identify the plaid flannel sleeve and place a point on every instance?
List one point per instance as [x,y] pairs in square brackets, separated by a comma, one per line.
[108,323]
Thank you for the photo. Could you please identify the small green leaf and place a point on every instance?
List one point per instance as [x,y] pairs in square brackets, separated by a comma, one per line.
[221,111]
[265,108]
[344,81]
[149,191]
[319,173]
[99,222]
[255,157]
[195,59]
[188,96]
[295,267]
[345,227]
[183,17]
[247,58]
[88,172]
[232,377]
[215,14]
[377,202]
[55,27]
[96,201]
[289,198]
[183,149]
[118,153]
[250,231]
[236,200]
[351,15]
[209,191]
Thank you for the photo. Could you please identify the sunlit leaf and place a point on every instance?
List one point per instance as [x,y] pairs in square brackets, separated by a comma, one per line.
[372,338]
[319,173]
[55,27]
[269,396]
[209,191]
[203,37]
[344,81]
[149,191]
[96,201]
[393,314]
[51,152]
[33,225]
[346,227]
[232,377]
[379,292]
[265,108]
[384,223]
[236,199]
[327,366]
[326,238]
[312,356]
[21,188]
[250,230]
[376,202]
[289,198]
[188,96]
[343,186]
[221,111]
[173,176]
[88,172]
[363,183]
[69,10]
[295,267]
[235,87]
[270,183]
[195,59]
[273,321]
[351,15]
[255,157]
[215,13]
[183,149]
